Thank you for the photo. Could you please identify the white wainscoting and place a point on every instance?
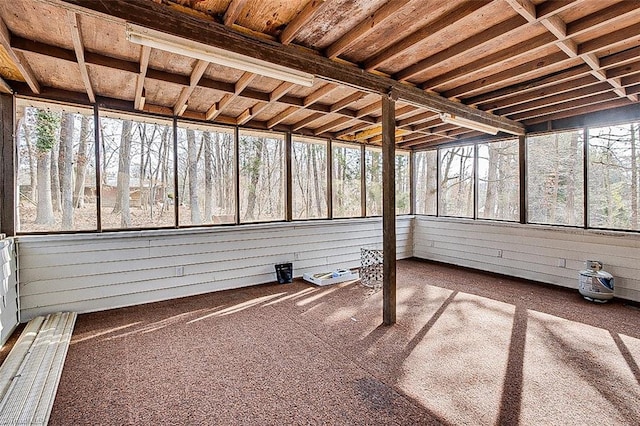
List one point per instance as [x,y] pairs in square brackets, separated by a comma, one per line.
[530,251]
[92,272]
[8,298]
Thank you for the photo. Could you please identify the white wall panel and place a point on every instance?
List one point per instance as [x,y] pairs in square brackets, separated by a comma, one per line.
[530,251]
[90,272]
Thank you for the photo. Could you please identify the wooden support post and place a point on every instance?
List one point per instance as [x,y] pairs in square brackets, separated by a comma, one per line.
[288,177]
[522,163]
[330,179]
[388,210]
[412,183]
[176,184]
[363,181]
[7,167]
[97,138]
[236,170]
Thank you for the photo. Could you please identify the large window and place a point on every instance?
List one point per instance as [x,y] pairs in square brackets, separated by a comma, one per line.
[309,173]
[261,176]
[206,170]
[403,179]
[499,180]
[56,168]
[347,182]
[373,180]
[456,181]
[137,172]
[614,161]
[555,178]
[425,166]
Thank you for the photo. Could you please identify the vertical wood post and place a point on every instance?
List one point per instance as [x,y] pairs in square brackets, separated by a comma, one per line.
[7,167]
[236,171]
[522,164]
[97,138]
[176,184]
[363,181]
[329,179]
[288,177]
[389,210]
[412,183]
[585,177]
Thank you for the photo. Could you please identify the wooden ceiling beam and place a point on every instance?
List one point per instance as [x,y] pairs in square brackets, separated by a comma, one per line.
[564,106]
[524,49]
[139,99]
[450,53]
[4,86]
[331,125]
[301,19]
[601,18]
[216,109]
[307,120]
[196,74]
[397,48]
[307,101]
[274,96]
[580,110]
[352,129]
[346,101]
[167,20]
[364,27]
[279,118]
[18,58]
[503,78]
[233,11]
[78,46]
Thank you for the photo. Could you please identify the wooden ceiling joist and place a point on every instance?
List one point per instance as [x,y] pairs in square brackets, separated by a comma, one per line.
[145,53]
[216,109]
[18,59]
[4,86]
[364,27]
[196,74]
[397,48]
[78,46]
[233,11]
[256,109]
[301,19]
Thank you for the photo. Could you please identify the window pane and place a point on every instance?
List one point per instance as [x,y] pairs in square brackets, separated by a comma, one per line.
[309,171]
[56,169]
[373,181]
[499,180]
[137,173]
[555,178]
[346,176]
[403,205]
[426,176]
[613,176]
[206,175]
[261,177]
[456,181]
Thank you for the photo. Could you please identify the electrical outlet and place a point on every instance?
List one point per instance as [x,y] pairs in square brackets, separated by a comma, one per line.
[179,271]
[562,263]
[499,253]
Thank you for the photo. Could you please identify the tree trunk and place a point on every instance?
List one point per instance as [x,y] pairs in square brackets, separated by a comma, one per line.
[492,174]
[124,163]
[572,216]
[208,177]
[82,162]
[44,214]
[192,153]
[66,169]
[255,165]
[432,187]
[33,169]
[55,178]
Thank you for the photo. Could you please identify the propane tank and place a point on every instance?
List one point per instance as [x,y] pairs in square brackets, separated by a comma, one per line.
[594,284]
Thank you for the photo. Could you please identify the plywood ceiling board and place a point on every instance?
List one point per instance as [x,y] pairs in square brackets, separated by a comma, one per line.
[367,100]
[162,94]
[202,98]
[171,62]
[237,106]
[8,70]
[302,92]
[56,73]
[334,19]
[101,36]
[480,54]
[221,73]
[37,21]
[264,84]
[112,83]
[404,22]
[269,16]
[213,8]
[270,112]
[467,27]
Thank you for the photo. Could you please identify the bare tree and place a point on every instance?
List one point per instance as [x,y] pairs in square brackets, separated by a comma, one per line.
[46,128]
[208,177]
[192,154]
[123,189]
[66,169]
[82,162]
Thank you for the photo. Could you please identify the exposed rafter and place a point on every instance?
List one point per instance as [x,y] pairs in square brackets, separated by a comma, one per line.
[18,58]
[196,74]
[301,19]
[233,11]
[78,45]
[215,109]
[145,52]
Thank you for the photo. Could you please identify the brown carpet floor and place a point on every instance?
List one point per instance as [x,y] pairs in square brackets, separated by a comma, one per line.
[469,349]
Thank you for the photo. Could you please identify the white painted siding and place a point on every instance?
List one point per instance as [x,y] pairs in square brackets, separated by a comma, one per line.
[530,251]
[9,300]
[92,272]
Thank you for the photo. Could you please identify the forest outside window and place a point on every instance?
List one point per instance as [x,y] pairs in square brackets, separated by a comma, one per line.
[403,179]
[456,181]
[373,180]
[206,170]
[56,173]
[499,180]
[425,166]
[309,174]
[347,182]
[137,172]
[614,162]
[555,178]
[261,187]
